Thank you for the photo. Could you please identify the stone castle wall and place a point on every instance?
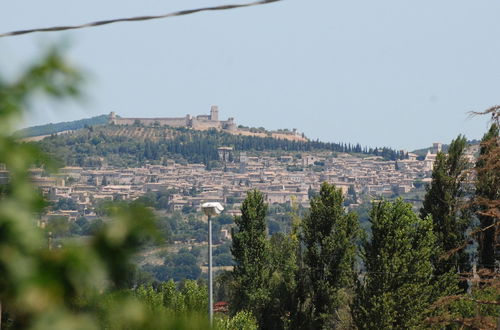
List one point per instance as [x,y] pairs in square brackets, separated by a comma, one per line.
[201,122]
[174,122]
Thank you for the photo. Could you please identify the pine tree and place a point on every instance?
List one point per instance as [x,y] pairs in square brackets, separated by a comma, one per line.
[487,189]
[251,256]
[444,201]
[397,285]
[329,237]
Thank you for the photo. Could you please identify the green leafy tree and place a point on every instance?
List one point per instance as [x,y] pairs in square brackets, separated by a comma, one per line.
[251,256]
[241,321]
[58,226]
[397,284]
[445,202]
[311,192]
[488,190]
[329,238]
[65,204]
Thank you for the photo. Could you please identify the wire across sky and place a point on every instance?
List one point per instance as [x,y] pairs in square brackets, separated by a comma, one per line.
[136,18]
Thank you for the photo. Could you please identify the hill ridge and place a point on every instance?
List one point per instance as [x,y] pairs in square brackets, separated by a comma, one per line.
[54,128]
[122,145]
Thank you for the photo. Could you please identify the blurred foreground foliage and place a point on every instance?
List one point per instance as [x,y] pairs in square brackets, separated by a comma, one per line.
[84,286]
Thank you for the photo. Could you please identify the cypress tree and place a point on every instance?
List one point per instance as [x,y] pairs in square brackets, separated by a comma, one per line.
[329,238]
[444,201]
[397,284]
[487,190]
[251,254]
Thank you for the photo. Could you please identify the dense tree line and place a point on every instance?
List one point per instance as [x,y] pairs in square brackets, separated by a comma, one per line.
[179,266]
[87,147]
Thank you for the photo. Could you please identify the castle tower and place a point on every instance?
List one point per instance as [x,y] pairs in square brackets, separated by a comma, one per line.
[436,147]
[112,118]
[214,113]
[229,125]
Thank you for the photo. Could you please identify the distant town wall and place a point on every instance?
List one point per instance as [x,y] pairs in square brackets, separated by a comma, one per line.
[205,122]
[200,122]
[174,122]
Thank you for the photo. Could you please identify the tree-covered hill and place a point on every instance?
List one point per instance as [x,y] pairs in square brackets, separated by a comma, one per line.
[61,127]
[137,145]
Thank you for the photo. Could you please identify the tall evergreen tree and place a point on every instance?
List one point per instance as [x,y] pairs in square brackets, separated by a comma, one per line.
[444,201]
[329,237]
[251,256]
[282,282]
[397,285]
[487,190]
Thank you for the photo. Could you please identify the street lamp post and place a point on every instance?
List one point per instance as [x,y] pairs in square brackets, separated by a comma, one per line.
[210,209]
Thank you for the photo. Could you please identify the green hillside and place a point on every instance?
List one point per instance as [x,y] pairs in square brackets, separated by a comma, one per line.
[137,145]
[61,127]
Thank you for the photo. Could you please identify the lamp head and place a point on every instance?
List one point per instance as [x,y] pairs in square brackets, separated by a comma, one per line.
[211,209]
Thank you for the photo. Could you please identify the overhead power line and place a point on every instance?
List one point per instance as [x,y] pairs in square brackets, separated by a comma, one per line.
[136,18]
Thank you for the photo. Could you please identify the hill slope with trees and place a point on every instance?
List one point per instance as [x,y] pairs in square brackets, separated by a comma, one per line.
[61,127]
[136,145]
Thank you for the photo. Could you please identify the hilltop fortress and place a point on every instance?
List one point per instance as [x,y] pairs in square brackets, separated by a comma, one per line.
[200,122]
[204,122]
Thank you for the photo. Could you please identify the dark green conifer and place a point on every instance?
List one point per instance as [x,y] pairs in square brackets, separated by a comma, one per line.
[251,256]
[397,284]
[329,237]
[487,190]
[444,201]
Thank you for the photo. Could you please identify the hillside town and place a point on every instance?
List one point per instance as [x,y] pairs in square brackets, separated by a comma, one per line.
[282,179]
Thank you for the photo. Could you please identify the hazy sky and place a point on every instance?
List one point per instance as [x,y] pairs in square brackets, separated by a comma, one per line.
[392,73]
